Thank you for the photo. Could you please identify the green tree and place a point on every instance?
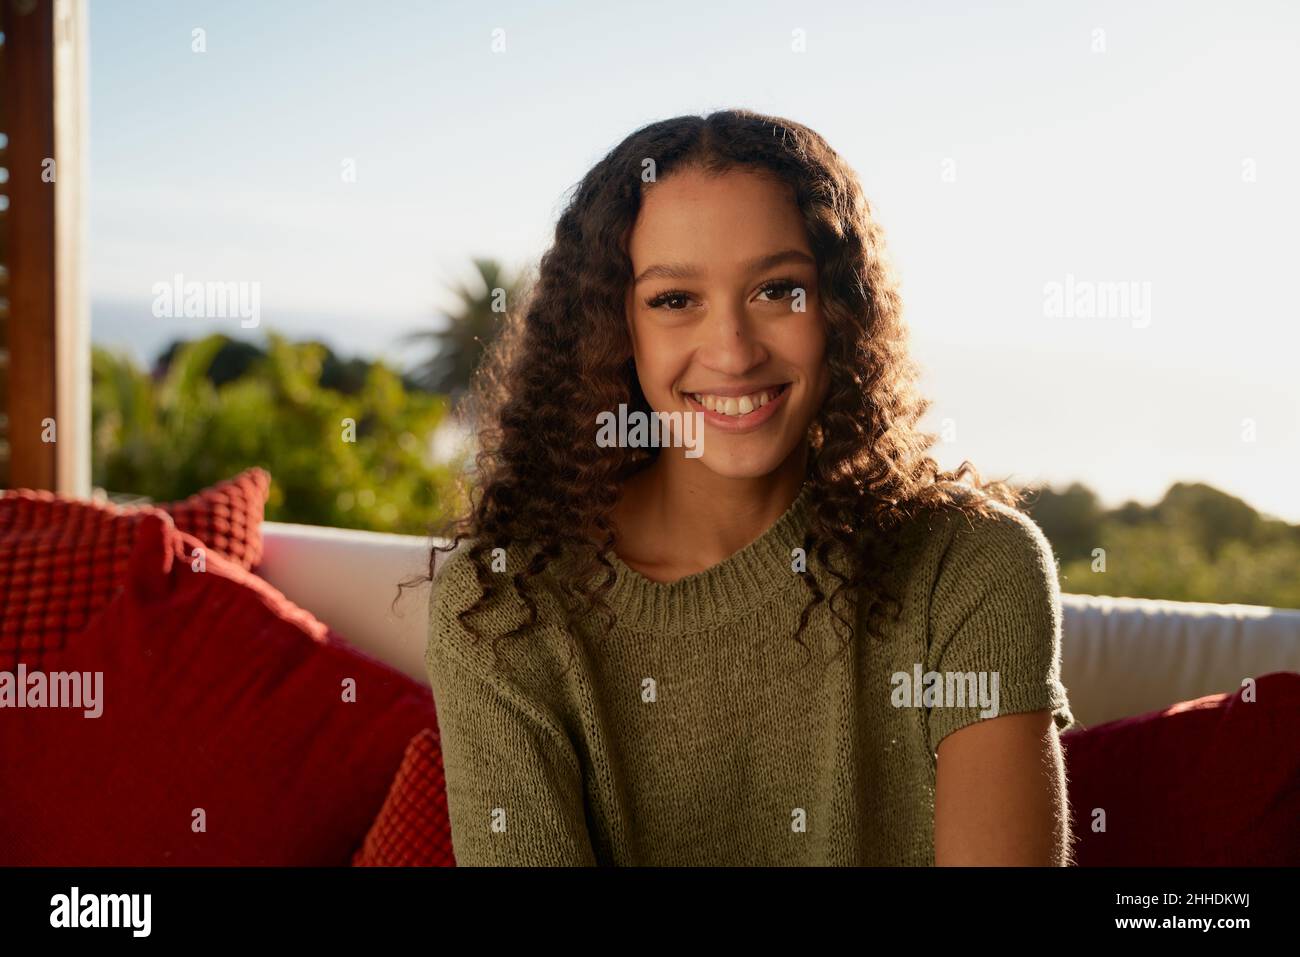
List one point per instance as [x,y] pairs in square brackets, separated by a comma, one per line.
[463,333]
[1213,517]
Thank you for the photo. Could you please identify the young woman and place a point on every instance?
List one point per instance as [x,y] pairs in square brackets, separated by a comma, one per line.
[787,639]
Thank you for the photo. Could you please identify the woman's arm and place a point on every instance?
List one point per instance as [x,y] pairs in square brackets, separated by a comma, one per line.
[1000,795]
[995,616]
[514,785]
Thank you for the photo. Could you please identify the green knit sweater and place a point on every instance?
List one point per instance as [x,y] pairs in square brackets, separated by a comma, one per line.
[697,732]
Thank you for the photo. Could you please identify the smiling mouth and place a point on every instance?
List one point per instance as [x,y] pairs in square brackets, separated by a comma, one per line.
[738,405]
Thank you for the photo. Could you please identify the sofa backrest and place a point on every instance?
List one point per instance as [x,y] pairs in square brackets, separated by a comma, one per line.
[1120,656]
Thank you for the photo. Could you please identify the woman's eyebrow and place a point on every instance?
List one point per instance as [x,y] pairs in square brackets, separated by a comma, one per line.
[689,271]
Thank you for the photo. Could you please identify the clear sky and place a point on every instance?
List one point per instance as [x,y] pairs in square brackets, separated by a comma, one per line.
[1004,146]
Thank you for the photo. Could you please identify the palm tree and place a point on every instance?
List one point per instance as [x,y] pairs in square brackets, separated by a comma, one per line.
[464,332]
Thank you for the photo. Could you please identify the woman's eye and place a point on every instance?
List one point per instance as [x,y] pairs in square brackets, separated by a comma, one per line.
[781,284]
[661,300]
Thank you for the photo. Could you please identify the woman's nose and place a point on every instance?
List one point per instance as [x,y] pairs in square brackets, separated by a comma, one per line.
[731,344]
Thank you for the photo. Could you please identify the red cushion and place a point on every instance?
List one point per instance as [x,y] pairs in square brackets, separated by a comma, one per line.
[1210,782]
[227,517]
[62,559]
[412,829]
[220,695]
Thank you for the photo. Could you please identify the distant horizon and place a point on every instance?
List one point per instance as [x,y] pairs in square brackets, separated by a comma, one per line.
[348,340]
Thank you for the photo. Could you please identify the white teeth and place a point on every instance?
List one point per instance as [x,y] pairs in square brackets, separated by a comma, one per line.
[735,405]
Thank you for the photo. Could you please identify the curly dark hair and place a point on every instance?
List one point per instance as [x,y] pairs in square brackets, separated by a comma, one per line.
[543,484]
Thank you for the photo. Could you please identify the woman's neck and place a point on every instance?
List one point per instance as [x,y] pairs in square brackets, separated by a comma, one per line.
[676,517]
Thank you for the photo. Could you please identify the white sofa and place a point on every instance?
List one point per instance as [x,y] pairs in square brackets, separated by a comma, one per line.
[1120,656]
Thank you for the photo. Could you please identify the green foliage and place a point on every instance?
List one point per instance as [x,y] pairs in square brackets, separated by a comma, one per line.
[1196,544]
[169,437]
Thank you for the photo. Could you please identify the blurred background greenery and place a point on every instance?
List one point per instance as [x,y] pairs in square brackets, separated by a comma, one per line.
[347,443]
[1196,544]
[212,407]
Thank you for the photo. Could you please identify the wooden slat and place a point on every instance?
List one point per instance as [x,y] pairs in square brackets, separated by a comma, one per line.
[4,271]
[46,330]
[4,259]
[29,66]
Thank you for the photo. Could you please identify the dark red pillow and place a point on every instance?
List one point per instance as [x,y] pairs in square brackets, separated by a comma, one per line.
[218,694]
[1211,782]
[412,829]
[62,559]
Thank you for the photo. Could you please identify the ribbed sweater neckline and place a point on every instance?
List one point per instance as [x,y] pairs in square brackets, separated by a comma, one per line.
[720,593]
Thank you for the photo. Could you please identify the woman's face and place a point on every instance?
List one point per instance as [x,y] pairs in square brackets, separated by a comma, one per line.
[725,317]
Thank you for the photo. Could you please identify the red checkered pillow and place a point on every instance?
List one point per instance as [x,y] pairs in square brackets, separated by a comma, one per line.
[412,828]
[227,517]
[62,559]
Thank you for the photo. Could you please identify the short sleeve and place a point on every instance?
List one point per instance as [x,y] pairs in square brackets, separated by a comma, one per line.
[995,625]
[514,784]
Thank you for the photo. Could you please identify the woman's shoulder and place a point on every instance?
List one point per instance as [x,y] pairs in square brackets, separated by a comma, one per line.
[475,599]
[465,572]
[992,604]
[475,665]
[978,533]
